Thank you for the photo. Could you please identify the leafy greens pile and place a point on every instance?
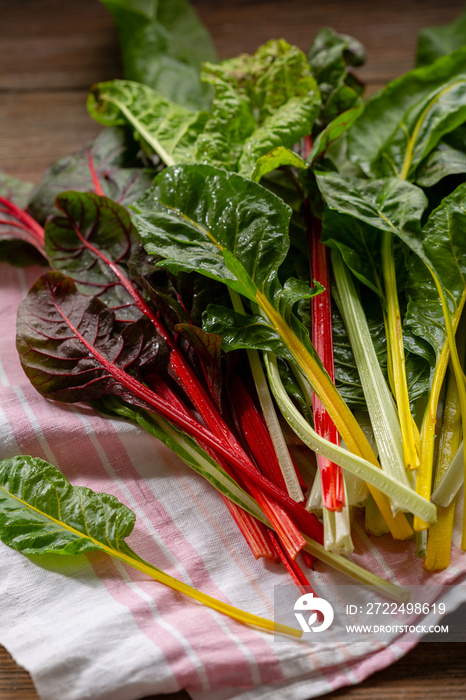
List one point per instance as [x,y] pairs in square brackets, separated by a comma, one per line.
[252,262]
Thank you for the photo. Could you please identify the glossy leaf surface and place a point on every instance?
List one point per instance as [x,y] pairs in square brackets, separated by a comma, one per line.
[444,242]
[41,513]
[262,102]
[385,111]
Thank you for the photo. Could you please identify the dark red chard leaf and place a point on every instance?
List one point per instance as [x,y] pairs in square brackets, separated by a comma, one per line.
[92,243]
[110,165]
[68,349]
[180,298]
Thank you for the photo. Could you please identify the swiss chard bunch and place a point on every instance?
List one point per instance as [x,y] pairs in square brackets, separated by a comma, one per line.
[255,235]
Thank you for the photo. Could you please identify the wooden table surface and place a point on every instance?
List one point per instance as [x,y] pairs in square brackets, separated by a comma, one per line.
[51,52]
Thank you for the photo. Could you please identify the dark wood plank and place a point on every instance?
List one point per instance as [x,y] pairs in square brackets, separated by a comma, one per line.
[388,30]
[15,682]
[431,670]
[55,45]
[50,50]
[37,128]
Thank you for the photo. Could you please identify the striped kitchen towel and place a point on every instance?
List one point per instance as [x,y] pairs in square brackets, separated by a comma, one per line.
[88,627]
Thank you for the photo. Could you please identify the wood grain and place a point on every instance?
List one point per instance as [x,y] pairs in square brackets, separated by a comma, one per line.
[51,52]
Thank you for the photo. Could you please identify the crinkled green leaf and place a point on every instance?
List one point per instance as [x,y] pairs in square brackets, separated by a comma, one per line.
[163,45]
[434,42]
[167,128]
[114,157]
[197,217]
[233,230]
[223,225]
[384,112]
[262,101]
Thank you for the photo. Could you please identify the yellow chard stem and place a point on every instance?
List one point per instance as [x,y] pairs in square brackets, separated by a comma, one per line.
[424,474]
[457,370]
[440,534]
[127,556]
[397,355]
[226,609]
[346,423]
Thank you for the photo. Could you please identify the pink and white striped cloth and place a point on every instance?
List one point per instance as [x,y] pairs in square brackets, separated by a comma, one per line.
[87,627]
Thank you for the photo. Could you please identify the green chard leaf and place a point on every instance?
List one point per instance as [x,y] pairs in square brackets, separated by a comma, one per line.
[434,42]
[239,332]
[440,163]
[359,245]
[330,56]
[263,101]
[422,127]
[224,226]
[276,158]
[163,45]
[110,162]
[42,513]
[443,241]
[332,133]
[387,204]
[235,231]
[385,111]
[447,158]
[167,128]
